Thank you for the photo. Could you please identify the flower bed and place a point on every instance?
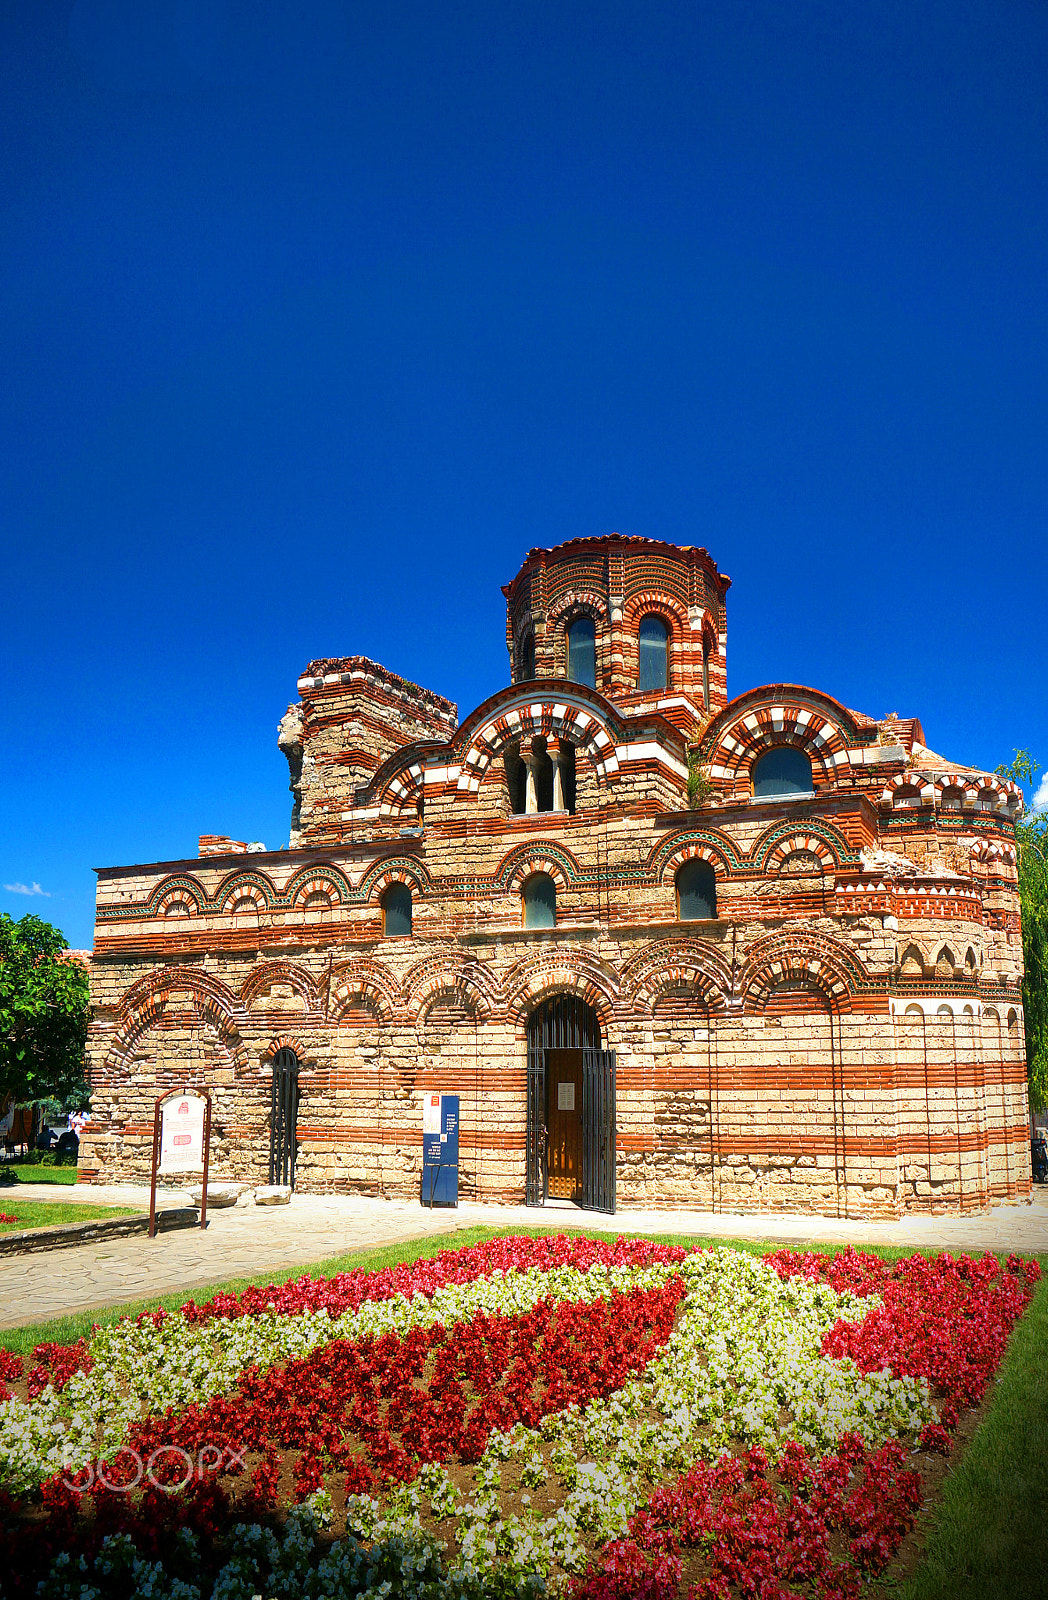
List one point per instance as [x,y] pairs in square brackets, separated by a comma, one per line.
[609,1419]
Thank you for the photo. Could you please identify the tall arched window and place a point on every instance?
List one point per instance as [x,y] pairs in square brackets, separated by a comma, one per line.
[582,652]
[781,773]
[526,664]
[696,892]
[706,670]
[652,653]
[396,911]
[539,896]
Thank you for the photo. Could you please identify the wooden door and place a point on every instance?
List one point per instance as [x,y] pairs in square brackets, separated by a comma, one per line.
[564,1120]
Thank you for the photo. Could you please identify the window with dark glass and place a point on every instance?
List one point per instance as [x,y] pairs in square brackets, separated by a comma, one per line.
[780,773]
[696,892]
[396,911]
[540,901]
[706,671]
[652,653]
[582,652]
[527,658]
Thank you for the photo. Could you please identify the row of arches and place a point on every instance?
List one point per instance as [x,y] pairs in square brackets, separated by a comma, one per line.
[322,888]
[822,962]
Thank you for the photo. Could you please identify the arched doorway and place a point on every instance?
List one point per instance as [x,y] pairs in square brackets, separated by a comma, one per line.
[571,1106]
[283,1121]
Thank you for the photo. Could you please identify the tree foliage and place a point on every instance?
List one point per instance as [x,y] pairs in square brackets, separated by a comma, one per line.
[1031,838]
[43,1012]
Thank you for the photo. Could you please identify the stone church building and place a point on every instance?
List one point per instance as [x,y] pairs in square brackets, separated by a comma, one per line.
[670,949]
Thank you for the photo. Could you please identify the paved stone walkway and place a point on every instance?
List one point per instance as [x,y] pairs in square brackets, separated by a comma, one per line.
[244,1241]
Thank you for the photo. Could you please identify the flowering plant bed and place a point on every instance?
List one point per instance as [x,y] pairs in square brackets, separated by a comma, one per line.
[605,1419]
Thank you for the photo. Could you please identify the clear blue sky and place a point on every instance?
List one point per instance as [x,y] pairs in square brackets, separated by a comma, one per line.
[317,317]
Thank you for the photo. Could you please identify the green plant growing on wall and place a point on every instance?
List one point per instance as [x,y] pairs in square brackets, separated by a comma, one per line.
[700,784]
[1031,839]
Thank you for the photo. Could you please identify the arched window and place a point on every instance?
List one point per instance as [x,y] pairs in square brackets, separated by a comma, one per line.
[652,653]
[526,663]
[396,911]
[582,652]
[907,798]
[696,892]
[706,670]
[952,799]
[539,896]
[781,773]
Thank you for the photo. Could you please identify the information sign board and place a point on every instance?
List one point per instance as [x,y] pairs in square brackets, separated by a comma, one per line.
[182,1134]
[440,1149]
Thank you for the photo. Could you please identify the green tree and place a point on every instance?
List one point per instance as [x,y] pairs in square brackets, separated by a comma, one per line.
[1031,838]
[43,1013]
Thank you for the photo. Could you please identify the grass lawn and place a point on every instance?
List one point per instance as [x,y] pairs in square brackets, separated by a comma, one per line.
[46,1213]
[12,1172]
[987,1536]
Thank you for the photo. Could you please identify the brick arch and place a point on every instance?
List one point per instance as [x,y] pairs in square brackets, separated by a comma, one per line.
[814,959]
[240,884]
[674,964]
[819,838]
[907,780]
[577,602]
[367,981]
[297,978]
[536,855]
[145,1002]
[710,843]
[955,780]
[990,850]
[448,975]
[801,843]
[737,745]
[546,716]
[178,897]
[402,790]
[561,971]
[283,1041]
[395,869]
[309,879]
[656,602]
[183,884]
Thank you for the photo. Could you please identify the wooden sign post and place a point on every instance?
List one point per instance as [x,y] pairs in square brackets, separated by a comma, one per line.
[181,1141]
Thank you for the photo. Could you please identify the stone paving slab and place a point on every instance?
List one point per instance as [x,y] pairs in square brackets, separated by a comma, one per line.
[247,1240]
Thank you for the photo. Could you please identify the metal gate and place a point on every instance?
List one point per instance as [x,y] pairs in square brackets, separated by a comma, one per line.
[566,1022]
[598,1130]
[283,1121]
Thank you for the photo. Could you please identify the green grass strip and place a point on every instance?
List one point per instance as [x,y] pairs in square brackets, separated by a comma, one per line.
[12,1173]
[48,1213]
[990,1532]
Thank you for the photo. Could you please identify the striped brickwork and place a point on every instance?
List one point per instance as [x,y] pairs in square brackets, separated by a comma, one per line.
[844,1036]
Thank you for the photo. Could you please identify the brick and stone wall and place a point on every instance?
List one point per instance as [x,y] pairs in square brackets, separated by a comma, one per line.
[844,1035]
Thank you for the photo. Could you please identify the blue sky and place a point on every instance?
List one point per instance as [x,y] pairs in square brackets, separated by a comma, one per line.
[317,317]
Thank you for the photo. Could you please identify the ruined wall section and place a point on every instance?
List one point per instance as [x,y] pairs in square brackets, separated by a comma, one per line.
[351,716]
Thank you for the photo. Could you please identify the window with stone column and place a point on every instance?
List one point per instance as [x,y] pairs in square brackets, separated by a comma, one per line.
[540,776]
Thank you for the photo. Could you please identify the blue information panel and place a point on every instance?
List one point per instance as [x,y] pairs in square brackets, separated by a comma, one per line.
[440,1149]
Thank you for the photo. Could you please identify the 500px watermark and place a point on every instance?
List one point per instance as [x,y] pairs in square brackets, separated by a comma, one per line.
[169,1468]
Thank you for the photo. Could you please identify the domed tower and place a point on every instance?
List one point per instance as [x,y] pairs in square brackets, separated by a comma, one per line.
[640,621]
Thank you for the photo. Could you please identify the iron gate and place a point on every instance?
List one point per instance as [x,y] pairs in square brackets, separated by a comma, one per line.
[283,1121]
[566,1022]
[598,1130]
